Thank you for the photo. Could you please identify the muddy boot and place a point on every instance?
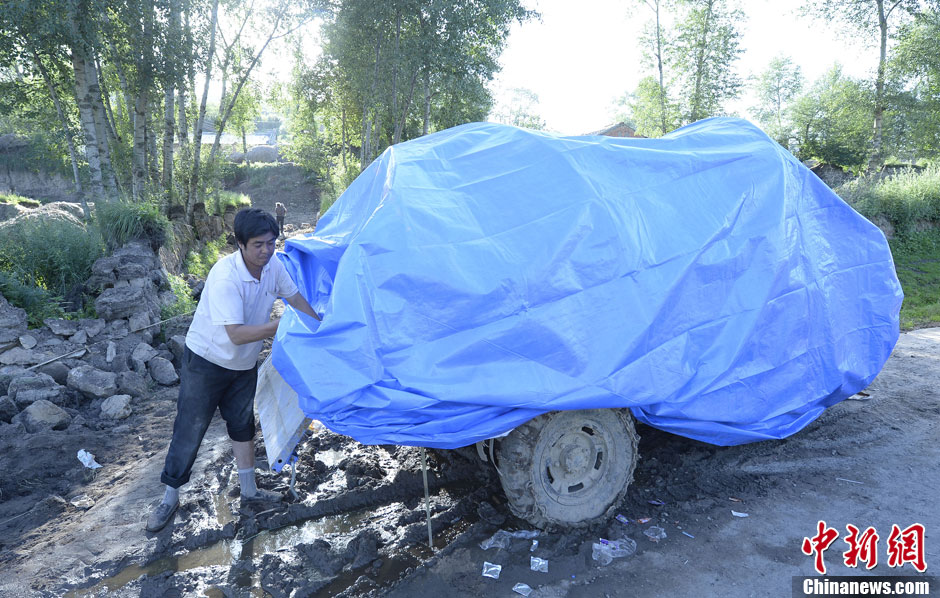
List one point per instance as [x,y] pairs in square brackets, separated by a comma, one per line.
[250,493]
[164,511]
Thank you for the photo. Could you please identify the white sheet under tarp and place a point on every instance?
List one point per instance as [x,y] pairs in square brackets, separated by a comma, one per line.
[282,421]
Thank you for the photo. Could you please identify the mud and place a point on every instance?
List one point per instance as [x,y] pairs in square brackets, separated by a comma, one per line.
[358,526]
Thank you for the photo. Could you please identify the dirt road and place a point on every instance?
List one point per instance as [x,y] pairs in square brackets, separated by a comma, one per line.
[358,527]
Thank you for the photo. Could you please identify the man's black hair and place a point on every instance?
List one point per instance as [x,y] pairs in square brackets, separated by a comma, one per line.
[253,222]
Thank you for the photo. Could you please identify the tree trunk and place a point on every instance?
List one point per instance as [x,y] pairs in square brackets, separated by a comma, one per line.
[170,67]
[197,130]
[400,119]
[366,150]
[106,102]
[345,144]
[876,156]
[427,101]
[101,128]
[139,160]
[696,108]
[395,68]
[659,61]
[83,99]
[65,131]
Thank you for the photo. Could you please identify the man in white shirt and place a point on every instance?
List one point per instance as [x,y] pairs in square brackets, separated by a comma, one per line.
[219,369]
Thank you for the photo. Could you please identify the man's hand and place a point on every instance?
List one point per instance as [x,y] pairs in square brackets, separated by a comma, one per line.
[241,334]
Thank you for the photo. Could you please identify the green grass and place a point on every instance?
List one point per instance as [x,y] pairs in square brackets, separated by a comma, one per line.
[123,221]
[12,198]
[184,303]
[221,200]
[198,263]
[917,261]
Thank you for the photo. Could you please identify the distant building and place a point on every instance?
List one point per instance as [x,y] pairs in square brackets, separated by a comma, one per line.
[620,129]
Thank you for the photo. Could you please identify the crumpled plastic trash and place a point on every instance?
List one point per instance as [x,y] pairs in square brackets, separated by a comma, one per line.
[502,538]
[87,459]
[521,588]
[537,564]
[736,514]
[535,544]
[491,570]
[655,533]
[606,551]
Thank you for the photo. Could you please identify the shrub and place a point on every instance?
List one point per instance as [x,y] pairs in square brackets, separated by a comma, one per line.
[904,199]
[198,263]
[38,303]
[44,259]
[122,221]
[184,303]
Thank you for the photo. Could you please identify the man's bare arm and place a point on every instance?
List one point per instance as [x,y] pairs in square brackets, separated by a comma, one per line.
[298,302]
[241,334]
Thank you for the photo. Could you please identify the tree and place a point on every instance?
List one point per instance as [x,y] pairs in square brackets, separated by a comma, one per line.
[832,121]
[705,48]
[868,17]
[653,44]
[378,56]
[914,76]
[244,112]
[650,110]
[519,109]
[776,88]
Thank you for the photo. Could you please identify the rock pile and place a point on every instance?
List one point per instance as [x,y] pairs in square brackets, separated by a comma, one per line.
[50,375]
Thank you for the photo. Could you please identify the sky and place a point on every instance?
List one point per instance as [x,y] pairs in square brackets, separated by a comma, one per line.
[583,55]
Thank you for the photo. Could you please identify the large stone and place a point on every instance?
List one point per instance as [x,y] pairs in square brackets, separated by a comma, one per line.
[92,382]
[116,407]
[262,153]
[43,415]
[162,371]
[28,341]
[34,386]
[93,327]
[20,356]
[58,370]
[105,265]
[131,270]
[140,323]
[177,345]
[120,302]
[61,327]
[12,321]
[7,373]
[8,409]
[132,383]
[143,352]
[79,338]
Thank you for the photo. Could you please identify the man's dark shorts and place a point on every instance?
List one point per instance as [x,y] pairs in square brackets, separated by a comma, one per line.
[204,387]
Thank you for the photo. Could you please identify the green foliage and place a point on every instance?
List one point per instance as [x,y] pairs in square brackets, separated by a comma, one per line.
[43,259]
[832,121]
[123,221]
[917,262]
[336,184]
[706,46]
[184,304]
[776,88]
[12,198]
[913,121]
[38,302]
[909,200]
[222,199]
[519,109]
[198,263]
[646,108]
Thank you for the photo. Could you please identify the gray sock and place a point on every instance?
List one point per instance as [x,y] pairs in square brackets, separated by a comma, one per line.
[246,479]
[171,496]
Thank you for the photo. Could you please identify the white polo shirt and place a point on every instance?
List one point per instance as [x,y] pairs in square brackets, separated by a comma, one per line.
[233,296]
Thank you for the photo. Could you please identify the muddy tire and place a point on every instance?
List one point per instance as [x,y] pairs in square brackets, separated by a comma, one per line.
[568,468]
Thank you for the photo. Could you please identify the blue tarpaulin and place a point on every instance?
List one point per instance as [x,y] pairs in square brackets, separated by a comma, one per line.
[475,278]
